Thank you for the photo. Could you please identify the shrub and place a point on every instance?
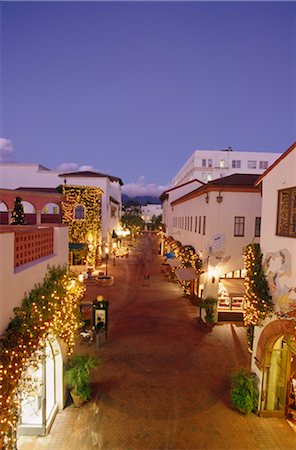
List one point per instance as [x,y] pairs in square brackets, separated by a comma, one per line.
[209,304]
[244,391]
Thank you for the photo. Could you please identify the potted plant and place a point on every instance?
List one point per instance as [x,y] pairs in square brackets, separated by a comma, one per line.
[77,377]
[244,391]
[209,304]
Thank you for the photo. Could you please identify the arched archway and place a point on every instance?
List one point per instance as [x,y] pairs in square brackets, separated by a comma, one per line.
[42,391]
[276,362]
[51,213]
[30,212]
[3,213]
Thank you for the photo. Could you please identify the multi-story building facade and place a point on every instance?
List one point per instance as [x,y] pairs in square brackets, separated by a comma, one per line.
[207,165]
[38,177]
[273,357]
[218,219]
[150,210]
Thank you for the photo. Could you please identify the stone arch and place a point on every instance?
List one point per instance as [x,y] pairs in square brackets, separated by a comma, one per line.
[4,220]
[30,212]
[51,213]
[271,332]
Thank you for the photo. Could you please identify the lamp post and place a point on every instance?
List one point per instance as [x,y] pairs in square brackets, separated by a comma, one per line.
[114,245]
[107,257]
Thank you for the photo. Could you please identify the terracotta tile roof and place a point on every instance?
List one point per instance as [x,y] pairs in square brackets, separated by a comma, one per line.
[236,179]
[90,174]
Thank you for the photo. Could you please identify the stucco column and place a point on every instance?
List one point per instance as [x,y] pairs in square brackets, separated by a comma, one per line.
[38,216]
[9,216]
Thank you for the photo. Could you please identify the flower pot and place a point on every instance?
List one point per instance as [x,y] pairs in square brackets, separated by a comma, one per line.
[77,400]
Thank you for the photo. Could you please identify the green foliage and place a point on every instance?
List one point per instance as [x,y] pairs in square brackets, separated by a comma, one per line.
[156,221]
[244,391]
[133,222]
[258,301]
[209,304]
[77,374]
[18,216]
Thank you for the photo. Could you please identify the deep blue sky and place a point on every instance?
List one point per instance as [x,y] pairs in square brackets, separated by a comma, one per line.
[134,88]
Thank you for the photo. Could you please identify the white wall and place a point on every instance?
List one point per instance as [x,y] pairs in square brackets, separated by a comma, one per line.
[174,194]
[13,176]
[15,283]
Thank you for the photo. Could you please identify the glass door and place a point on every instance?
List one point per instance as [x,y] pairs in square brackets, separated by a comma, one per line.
[39,397]
[274,379]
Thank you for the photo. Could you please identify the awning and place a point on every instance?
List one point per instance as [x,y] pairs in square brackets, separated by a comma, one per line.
[77,246]
[174,262]
[233,286]
[185,274]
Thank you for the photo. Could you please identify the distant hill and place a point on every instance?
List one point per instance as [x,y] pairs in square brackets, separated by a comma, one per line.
[142,199]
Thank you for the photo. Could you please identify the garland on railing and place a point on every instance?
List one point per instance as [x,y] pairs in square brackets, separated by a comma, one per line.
[51,309]
[187,256]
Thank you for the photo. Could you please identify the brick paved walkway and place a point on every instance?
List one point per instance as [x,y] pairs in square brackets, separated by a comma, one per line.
[163,383]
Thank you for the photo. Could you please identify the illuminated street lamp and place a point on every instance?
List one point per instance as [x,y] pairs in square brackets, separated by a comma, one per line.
[107,257]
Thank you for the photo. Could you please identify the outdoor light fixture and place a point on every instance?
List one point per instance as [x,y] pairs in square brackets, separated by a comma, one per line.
[107,257]
[219,198]
[81,277]
[207,197]
[114,245]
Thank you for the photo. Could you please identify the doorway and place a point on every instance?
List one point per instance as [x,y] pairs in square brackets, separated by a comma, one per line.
[275,375]
[40,396]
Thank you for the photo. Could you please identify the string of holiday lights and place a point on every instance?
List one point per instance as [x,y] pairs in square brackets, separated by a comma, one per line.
[50,310]
[258,302]
[87,229]
[187,256]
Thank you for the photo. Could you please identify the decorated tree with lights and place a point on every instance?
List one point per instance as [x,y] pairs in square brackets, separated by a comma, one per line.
[258,301]
[188,258]
[18,216]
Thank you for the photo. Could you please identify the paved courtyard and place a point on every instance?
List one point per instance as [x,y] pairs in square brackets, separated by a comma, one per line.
[163,382]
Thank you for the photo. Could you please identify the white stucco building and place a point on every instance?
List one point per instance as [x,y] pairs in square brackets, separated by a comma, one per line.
[168,196]
[207,165]
[273,358]
[218,219]
[150,210]
[13,176]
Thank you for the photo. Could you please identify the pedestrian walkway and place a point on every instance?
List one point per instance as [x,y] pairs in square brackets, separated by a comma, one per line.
[163,382]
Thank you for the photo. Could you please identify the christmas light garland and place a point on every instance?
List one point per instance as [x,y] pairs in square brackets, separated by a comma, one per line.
[88,229]
[187,256]
[258,301]
[52,309]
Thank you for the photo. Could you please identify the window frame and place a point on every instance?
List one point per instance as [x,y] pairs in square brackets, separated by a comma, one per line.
[257,232]
[252,166]
[291,213]
[79,208]
[237,226]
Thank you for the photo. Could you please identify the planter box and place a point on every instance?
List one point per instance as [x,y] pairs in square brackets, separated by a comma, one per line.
[105,280]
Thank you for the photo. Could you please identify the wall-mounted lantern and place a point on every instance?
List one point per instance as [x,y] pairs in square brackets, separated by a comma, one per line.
[219,198]
[207,197]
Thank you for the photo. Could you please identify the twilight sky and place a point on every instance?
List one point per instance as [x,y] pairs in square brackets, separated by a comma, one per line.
[133,88]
